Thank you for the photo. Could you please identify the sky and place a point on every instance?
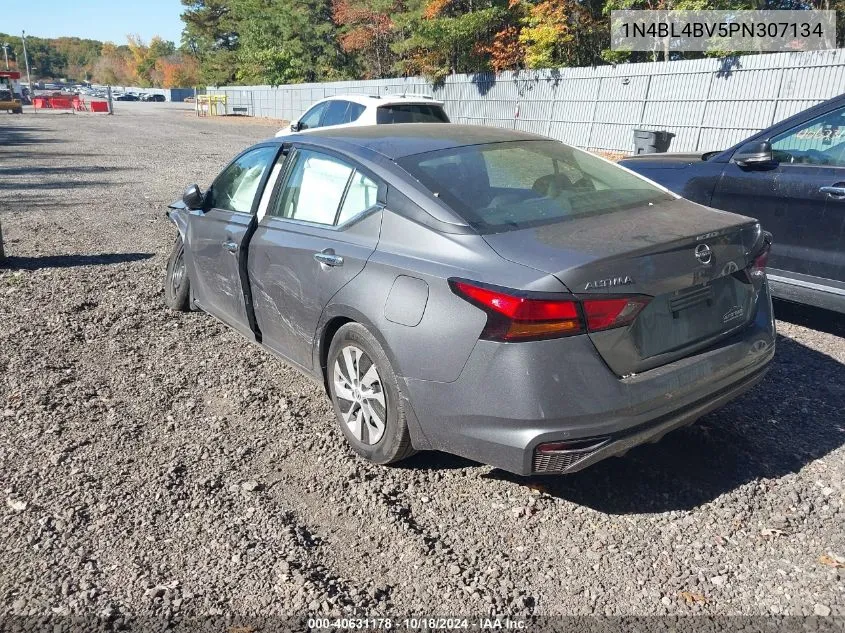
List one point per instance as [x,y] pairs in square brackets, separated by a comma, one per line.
[105,20]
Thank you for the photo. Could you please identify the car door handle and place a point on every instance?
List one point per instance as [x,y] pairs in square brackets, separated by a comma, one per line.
[836,192]
[328,258]
[230,246]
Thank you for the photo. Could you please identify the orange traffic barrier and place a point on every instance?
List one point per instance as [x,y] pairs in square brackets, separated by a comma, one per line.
[99,106]
[61,103]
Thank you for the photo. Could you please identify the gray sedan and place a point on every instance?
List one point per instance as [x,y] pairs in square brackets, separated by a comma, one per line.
[484,292]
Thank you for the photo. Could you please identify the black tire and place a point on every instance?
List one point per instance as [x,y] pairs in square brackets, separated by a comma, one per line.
[177,285]
[394,443]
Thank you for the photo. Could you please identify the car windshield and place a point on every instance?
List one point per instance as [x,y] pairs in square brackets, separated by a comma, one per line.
[513,185]
[411,113]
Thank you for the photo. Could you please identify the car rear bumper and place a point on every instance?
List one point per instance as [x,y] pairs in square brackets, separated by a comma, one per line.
[510,398]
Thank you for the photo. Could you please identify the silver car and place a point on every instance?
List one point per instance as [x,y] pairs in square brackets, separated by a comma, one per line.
[480,291]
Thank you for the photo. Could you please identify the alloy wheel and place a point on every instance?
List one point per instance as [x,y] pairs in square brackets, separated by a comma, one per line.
[178,273]
[360,395]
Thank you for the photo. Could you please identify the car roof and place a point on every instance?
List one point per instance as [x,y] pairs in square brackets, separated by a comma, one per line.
[405,139]
[381,100]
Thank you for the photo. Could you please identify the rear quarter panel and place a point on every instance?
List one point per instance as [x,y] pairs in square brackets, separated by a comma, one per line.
[438,345]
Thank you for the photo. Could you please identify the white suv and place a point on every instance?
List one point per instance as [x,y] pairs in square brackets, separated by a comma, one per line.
[355,110]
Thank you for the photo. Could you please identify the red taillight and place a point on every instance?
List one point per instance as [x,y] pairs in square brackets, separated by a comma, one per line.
[756,270]
[758,266]
[605,314]
[515,316]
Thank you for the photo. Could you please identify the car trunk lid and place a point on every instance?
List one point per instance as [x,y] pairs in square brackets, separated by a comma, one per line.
[691,261]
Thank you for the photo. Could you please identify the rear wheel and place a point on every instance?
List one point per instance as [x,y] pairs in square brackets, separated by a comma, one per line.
[366,396]
[177,286]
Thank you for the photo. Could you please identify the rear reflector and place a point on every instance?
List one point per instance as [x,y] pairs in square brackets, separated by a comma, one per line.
[519,316]
[572,446]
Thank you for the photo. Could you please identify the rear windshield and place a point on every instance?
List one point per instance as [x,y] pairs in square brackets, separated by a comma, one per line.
[506,186]
[411,113]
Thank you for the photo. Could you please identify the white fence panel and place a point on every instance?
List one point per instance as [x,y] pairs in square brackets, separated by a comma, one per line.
[707,103]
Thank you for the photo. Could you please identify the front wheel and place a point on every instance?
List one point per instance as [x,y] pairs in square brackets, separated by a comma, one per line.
[366,396]
[177,286]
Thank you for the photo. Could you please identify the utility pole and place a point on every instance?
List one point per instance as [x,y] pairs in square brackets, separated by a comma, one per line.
[26,61]
[6,54]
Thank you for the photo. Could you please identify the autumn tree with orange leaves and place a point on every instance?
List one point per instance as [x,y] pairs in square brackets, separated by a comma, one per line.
[367,30]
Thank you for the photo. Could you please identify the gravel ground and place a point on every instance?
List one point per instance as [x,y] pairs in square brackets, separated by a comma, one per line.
[152,464]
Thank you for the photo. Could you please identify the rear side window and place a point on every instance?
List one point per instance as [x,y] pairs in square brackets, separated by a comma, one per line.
[314,188]
[411,113]
[355,111]
[506,186]
[336,113]
[324,190]
[360,196]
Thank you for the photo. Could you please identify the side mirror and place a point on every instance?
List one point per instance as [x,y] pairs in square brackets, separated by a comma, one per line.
[193,198]
[295,126]
[755,154]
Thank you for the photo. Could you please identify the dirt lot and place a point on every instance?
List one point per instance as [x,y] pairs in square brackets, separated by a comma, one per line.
[154,464]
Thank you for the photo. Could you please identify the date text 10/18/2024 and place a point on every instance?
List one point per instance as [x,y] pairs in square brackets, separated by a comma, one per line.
[418,624]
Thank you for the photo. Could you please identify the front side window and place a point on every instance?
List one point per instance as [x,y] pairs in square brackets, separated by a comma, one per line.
[235,188]
[311,119]
[506,186]
[411,113]
[820,141]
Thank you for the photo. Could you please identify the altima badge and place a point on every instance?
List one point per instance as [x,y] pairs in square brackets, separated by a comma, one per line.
[703,253]
[609,283]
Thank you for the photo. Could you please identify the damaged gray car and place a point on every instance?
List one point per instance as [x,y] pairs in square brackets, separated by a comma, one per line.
[479,291]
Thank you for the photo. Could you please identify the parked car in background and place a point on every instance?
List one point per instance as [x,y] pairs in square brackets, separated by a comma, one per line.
[355,110]
[791,177]
[153,96]
[480,291]
[126,97]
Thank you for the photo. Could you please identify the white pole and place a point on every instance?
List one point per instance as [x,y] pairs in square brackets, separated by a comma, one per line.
[26,61]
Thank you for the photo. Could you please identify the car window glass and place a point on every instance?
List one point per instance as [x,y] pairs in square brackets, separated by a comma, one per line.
[335,113]
[820,141]
[311,119]
[314,188]
[354,112]
[506,186]
[235,188]
[411,113]
[360,196]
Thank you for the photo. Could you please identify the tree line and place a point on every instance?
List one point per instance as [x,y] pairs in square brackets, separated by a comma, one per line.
[290,41]
[157,63]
